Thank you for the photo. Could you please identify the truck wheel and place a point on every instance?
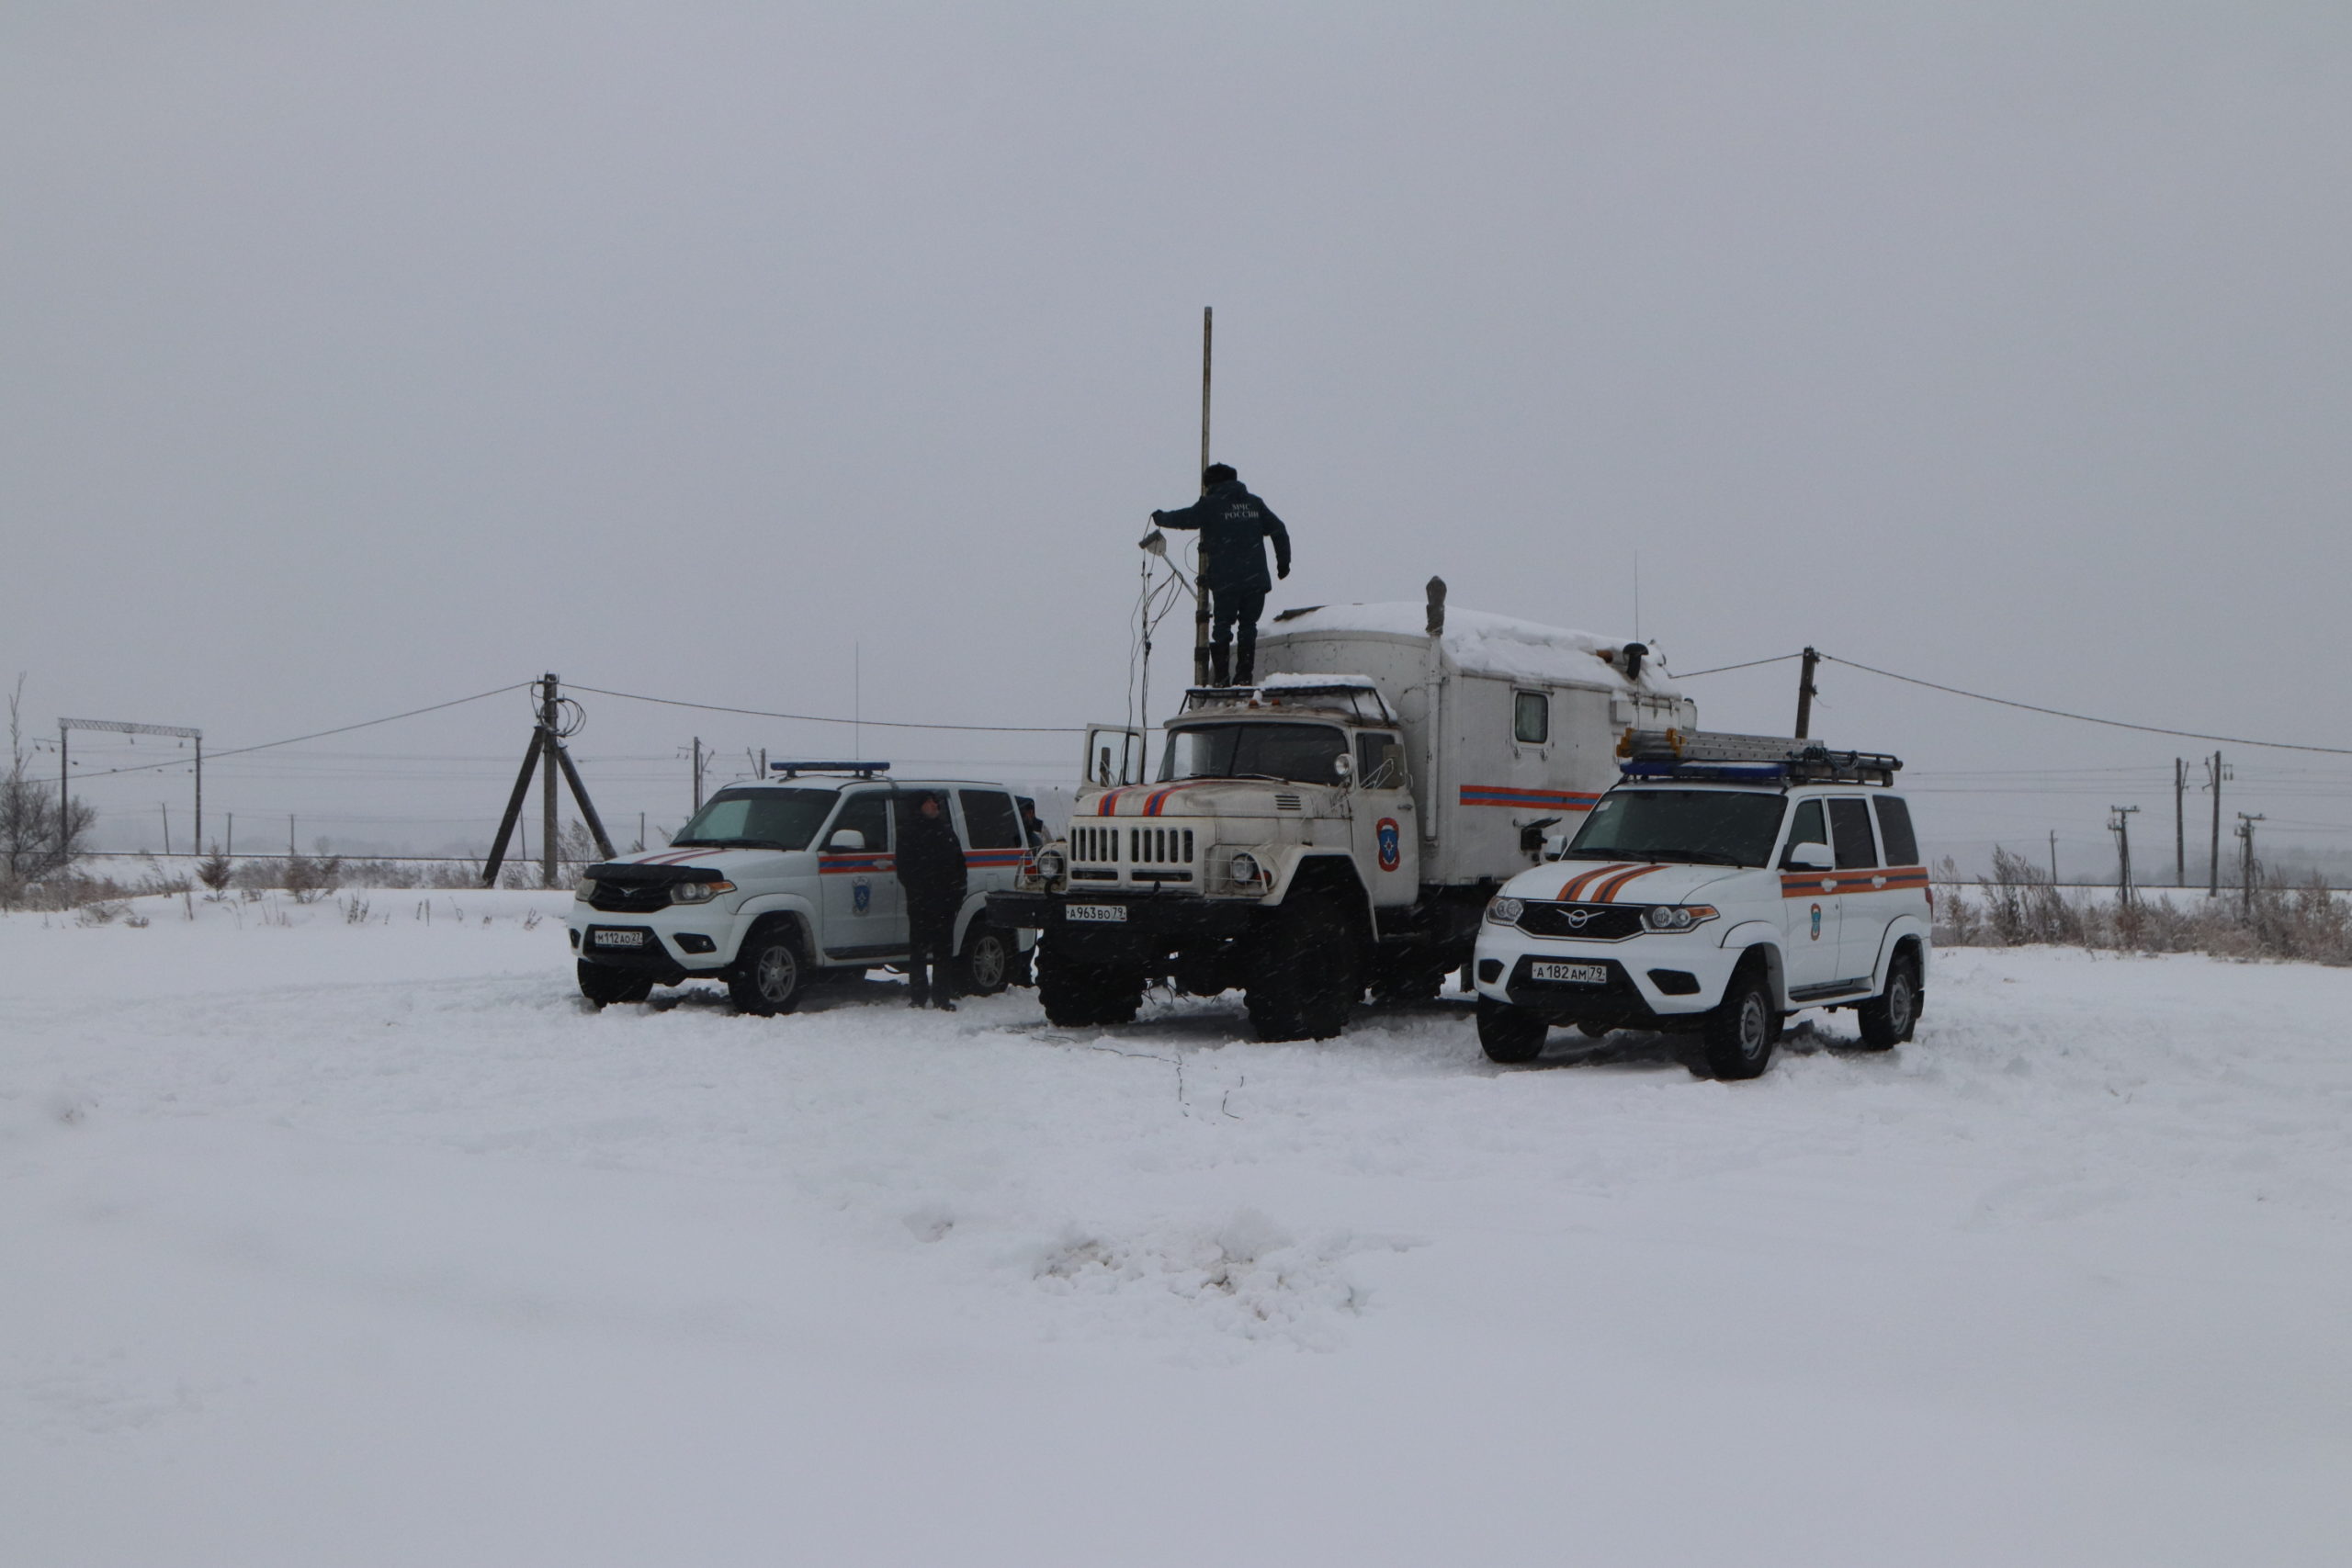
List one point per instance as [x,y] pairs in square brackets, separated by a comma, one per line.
[1509,1033]
[604,985]
[1078,994]
[768,977]
[1889,1017]
[984,966]
[1740,1031]
[1305,979]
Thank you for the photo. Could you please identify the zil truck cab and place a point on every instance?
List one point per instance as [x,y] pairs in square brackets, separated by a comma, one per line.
[1725,883]
[775,882]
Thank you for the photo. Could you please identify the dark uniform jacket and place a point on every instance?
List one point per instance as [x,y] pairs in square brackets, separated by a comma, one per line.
[931,863]
[1234,527]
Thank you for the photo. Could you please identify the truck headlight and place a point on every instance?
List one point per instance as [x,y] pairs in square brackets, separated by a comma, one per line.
[1053,866]
[698,892]
[1245,869]
[1505,911]
[1677,917]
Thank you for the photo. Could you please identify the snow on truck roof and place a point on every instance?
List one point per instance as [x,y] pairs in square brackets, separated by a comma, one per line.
[1476,642]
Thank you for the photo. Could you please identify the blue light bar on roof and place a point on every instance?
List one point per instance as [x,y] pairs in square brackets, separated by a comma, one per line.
[865,769]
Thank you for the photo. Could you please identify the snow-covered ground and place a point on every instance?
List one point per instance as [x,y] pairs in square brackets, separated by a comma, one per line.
[357,1243]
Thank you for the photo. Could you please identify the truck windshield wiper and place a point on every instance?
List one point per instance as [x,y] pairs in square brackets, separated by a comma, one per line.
[727,844]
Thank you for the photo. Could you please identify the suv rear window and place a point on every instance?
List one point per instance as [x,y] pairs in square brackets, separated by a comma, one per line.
[990,822]
[1894,830]
[1850,828]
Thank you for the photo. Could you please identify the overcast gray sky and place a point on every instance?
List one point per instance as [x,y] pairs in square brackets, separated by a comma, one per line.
[360,358]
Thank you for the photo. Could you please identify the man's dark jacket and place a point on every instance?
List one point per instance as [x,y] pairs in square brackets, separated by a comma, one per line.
[1234,527]
[931,863]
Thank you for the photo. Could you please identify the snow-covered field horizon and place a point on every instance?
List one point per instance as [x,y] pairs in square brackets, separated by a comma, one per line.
[365,1243]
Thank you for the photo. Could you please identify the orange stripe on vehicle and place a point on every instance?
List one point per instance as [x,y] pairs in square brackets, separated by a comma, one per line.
[1607,892]
[1574,888]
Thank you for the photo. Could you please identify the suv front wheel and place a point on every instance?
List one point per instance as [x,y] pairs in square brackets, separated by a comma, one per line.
[1740,1031]
[768,977]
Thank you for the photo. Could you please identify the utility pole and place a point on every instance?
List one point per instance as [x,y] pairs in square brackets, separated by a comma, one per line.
[2180,821]
[1201,570]
[2216,773]
[697,773]
[233,833]
[1806,695]
[547,781]
[547,751]
[290,835]
[2054,857]
[166,808]
[2245,859]
[2120,824]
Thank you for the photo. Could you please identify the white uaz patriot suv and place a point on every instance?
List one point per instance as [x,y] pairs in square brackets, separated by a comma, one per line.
[1727,882]
[773,884]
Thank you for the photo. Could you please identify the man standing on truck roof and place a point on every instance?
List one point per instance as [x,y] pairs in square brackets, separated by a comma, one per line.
[1235,526]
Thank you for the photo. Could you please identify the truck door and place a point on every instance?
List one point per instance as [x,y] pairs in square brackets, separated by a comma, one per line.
[865,917]
[1861,882]
[1388,834]
[1115,755]
[1809,909]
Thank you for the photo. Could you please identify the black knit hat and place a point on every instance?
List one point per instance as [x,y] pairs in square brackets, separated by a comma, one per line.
[1217,474]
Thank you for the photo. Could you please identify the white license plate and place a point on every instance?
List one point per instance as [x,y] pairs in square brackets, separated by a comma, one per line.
[620,938]
[1574,973]
[1110,914]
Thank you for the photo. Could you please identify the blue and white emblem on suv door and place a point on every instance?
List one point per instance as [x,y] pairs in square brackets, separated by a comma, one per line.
[861,896]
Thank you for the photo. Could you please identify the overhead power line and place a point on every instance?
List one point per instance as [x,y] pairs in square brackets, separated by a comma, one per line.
[319,734]
[1722,668]
[827,718]
[2091,718]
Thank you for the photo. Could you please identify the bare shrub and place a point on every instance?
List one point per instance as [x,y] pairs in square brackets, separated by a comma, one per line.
[40,835]
[2022,906]
[311,878]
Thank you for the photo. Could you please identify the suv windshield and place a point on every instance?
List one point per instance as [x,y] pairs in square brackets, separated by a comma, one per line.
[1305,753]
[1708,826]
[759,818]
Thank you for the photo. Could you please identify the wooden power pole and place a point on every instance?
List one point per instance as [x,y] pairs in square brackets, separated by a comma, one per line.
[1805,694]
[547,754]
[2216,773]
[2180,821]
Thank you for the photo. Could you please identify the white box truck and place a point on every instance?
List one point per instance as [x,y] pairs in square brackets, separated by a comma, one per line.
[1339,825]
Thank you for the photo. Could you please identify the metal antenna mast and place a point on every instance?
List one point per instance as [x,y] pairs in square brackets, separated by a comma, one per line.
[1200,571]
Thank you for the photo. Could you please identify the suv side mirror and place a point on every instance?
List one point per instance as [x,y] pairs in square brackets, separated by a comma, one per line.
[1806,857]
[846,838]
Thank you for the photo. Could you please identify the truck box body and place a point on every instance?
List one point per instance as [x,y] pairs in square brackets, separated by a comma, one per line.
[1465,697]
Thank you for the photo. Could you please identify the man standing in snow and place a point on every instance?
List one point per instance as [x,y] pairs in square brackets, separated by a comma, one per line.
[930,874]
[1235,526]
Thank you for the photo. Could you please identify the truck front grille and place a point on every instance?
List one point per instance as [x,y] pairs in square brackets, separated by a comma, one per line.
[1103,853]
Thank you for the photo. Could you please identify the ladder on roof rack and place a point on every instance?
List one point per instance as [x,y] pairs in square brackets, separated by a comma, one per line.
[1703,754]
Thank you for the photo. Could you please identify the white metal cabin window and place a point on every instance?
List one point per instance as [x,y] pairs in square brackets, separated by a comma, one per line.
[1531,718]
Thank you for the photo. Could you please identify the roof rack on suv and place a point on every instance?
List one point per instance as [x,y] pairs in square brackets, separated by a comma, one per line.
[862,770]
[1763,759]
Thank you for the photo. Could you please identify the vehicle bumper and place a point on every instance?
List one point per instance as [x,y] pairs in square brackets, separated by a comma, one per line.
[1653,981]
[1154,915]
[668,952]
